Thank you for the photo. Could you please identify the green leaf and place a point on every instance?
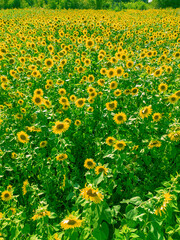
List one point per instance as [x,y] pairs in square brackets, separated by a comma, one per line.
[135,200]
[99,179]
[99,235]
[170,230]
[132,214]
[26,228]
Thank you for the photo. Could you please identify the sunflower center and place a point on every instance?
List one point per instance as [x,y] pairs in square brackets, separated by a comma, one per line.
[23,137]
[71,222]
[37,100]
[80,102]
[89,163]
[120,118]
[6,195]
[145,111]
[91,194]
[100,170]
[120,145]
[111,105]
[60,126]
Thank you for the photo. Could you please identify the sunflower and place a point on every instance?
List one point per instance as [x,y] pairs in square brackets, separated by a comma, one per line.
[110,141]
[37,100]
[101,82]
[22,137]
[129,64]
[117,92]
[62,91]
[127,91]
[162,87]
[38,92]
[156,117]
[43,144]
[173,98]
[89,43]
[158,73]
[60,127]
[177,94]
[63,101]
[155,143]
[100,169]
[113,85]
[111,105]
[91,78]
[145,112]
[47,103]
[6,195]
[49,62]
[120,118]
[91,194]
[134,91]
[73,98]
[90,109]
[103,71]
[70,222]
[119,71]
[111,73]
[119,145]
[91,89]
[80,102]
[13,155]
[89,163]
[174,136]
[77,123]
[61,157]
[169,69]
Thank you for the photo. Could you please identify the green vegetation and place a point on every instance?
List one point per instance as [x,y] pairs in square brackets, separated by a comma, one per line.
[90,4]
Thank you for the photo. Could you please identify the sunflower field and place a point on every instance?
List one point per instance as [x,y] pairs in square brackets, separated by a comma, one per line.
[89,124]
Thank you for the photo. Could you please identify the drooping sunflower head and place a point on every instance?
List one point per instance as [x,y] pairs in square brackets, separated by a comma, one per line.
[101,169]
[154,143]
[61,157]
[91,194]
[71,222]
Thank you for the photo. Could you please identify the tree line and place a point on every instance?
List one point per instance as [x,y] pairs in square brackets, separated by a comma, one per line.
[81,4]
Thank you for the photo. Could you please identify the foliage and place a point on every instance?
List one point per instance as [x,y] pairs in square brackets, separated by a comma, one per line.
[166,3]
[89,124]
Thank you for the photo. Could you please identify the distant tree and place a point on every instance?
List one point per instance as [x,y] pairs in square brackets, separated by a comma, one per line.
[166,3]
[99,4]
